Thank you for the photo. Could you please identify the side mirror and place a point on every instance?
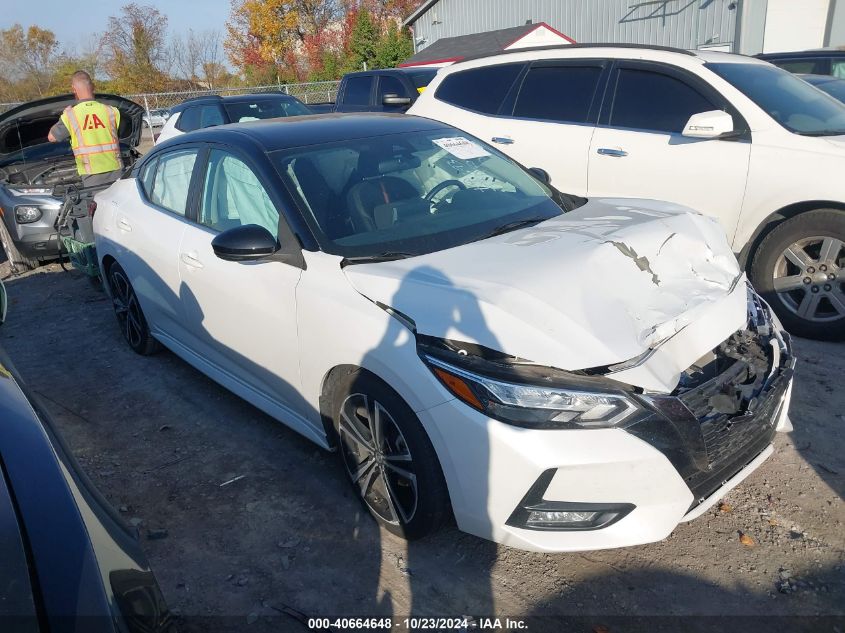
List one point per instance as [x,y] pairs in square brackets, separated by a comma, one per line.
[395,100]
[541,174]
[244,243]
[711,124]
[4,303]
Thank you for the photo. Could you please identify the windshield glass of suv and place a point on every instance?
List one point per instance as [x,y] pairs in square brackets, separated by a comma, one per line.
[240,111]
[409,194]
[792,102]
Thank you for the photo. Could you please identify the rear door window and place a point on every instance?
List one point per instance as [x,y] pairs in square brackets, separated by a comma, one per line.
[189,120]
[388,85]
[172,180]
[358,90]
[654,102]
[479,89]
[558,93]
[800,66]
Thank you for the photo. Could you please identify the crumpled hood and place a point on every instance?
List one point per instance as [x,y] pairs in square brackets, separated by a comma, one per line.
[593,287]
[27,125]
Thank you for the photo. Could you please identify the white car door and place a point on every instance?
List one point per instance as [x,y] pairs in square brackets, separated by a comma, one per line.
[638,151]
[241,315]
[551,120]
[148,230]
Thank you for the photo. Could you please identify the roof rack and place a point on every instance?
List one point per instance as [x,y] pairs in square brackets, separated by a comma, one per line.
[551,47]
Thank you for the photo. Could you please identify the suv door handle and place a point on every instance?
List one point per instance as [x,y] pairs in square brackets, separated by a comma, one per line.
[190,259]
[608,151]
[502,140]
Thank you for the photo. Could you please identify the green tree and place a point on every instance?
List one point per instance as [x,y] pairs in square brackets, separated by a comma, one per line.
[27,59]
[135,49]
[393,47]
[363,41]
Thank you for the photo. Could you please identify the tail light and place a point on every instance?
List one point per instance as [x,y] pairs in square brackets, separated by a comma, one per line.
[92,208]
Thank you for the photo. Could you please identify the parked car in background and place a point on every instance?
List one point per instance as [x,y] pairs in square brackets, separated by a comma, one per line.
[815,62]
[156,118]
[731,136]
[35,174]
[831,85]
[559,373]
[69,562]
[208,111]
[385,90]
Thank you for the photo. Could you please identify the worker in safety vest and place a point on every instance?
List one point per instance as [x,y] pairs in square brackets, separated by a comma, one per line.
[91,128]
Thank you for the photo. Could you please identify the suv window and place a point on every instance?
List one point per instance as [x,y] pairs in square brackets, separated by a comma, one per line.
[146,177]
[357,91]
[480,89]
[388,85]
[173,179]
[233,195]
[656,102]
[558,93]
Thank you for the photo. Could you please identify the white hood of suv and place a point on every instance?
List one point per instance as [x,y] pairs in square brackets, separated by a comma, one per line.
[594,287]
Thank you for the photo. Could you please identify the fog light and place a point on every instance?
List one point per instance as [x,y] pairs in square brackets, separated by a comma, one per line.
[535,512]
[26,214]
[564,518]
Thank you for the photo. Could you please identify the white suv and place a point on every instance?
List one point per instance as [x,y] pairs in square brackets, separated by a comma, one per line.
[728,135]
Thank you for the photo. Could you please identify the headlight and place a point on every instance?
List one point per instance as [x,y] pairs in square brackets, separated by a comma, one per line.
[542,406]
[26,214]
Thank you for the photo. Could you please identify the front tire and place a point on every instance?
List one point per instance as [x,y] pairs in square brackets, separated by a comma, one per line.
[388,457]
[18,263]
[799,269]
[127,309]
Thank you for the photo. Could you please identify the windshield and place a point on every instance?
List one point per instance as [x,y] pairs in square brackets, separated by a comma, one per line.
[240,111]
[792,102]
[408,194]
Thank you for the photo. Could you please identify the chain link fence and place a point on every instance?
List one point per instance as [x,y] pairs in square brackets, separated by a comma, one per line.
[314,92]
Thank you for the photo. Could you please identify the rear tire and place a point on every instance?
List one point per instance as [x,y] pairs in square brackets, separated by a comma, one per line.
[394,469]
[799,268]
[127,309]
[18,263]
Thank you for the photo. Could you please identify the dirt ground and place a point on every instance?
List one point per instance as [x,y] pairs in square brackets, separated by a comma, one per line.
[261,524]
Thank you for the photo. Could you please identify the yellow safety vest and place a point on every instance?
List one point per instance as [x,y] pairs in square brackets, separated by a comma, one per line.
[93,137]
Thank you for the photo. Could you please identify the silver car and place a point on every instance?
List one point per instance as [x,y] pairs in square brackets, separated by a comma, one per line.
[35,174]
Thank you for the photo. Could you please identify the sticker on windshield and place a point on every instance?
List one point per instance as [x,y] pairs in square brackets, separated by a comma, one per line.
[461,147]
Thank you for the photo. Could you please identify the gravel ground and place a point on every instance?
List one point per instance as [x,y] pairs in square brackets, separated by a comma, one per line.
[259,521]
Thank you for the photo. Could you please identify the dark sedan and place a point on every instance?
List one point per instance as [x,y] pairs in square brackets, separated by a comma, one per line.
[67,562]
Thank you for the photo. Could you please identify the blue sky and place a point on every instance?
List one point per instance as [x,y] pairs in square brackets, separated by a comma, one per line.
[74,22]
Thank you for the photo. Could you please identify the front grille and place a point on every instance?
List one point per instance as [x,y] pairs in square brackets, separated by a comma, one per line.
[729,392]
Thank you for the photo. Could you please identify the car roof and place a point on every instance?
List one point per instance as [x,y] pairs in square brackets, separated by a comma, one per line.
[258,96]
[313,129]
[620,51]
[818,52]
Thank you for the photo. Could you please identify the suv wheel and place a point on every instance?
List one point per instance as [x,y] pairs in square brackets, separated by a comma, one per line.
[800,270]
[18,263]
[127,309]
[388,457]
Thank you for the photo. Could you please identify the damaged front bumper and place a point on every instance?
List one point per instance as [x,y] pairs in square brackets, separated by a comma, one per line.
[638,482]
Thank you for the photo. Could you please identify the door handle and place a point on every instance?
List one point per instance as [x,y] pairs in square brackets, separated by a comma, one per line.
[616,153]
[124,225]
[502,140]
[190,259]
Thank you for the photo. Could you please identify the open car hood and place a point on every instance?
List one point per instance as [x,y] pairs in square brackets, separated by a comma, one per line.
[24,129]
[594,287]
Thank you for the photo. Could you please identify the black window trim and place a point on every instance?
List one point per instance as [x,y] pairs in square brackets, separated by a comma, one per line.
[510,95]
[154,157]
[692,80]
[595,105]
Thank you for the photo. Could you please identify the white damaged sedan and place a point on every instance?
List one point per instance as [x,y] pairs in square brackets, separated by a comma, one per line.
[556,373]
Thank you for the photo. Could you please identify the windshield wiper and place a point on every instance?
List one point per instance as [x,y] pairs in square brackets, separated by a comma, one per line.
[512,226]
[823,133]
[387,256]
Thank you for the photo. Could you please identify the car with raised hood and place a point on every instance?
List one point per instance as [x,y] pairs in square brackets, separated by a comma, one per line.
[731,136]
[69,563]
[558,373]
[35,174]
